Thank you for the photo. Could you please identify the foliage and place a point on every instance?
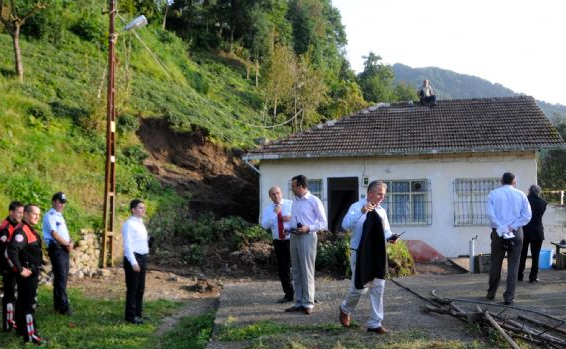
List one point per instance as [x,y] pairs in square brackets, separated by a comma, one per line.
[552,164]
[376,79]
[333,253]
[400,260]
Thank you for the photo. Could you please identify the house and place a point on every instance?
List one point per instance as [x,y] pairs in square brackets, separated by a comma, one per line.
[439,163]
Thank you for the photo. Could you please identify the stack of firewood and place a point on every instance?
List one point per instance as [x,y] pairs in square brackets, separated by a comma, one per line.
[515,324]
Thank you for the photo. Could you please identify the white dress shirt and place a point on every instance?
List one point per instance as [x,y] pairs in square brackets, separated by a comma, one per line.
[507,207]
[269,218]
[135,239]
[309,210]
[54,221]
[354,221]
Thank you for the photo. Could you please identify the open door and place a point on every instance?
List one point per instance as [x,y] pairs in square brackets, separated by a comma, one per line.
[342,192]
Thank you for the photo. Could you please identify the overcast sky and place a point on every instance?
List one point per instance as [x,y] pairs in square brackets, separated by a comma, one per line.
[518,43]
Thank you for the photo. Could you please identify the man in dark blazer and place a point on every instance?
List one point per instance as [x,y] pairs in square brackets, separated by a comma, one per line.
[534,234]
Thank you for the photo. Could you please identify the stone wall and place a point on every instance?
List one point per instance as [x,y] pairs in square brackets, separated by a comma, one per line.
[84,259]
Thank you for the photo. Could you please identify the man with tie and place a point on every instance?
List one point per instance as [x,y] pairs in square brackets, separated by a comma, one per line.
[277,218]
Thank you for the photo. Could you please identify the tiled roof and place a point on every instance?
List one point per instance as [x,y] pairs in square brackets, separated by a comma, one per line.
[452,126]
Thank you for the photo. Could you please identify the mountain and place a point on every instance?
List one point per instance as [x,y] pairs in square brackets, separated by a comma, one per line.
[450,85]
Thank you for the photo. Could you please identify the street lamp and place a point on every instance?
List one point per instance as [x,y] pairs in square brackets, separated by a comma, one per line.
[110,169]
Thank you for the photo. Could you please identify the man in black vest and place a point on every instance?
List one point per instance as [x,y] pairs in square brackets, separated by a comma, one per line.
[368,259]
[533,234]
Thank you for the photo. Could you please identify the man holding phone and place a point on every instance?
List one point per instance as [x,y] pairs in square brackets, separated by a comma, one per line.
[368,258]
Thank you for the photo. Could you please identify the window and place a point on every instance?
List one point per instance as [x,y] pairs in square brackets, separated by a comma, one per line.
[315,187]
[408,202]
[470,197]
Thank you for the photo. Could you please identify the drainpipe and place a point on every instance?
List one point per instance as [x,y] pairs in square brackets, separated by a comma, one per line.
[472,253]
[252,167]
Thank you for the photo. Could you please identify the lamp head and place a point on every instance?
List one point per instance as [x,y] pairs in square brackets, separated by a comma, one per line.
[137,22]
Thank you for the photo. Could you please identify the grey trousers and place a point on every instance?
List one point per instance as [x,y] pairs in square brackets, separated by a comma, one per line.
[303,256]
[513,259]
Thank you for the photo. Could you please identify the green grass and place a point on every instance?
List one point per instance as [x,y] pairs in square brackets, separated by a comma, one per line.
[99,324]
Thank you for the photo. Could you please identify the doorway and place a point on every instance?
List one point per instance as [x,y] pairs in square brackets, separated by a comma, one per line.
[342,192]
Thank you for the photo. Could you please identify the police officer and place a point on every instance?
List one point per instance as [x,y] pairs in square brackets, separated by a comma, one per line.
[16,212]
[59,245]
[25,258]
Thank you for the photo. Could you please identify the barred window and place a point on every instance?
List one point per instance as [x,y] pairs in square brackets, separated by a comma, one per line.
[315,187]
[470,198]
[408,202]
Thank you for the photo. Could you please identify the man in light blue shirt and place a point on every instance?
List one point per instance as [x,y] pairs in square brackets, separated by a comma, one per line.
[59,245]
[508,210]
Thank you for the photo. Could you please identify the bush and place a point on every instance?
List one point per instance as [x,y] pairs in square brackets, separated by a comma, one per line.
[90,29]
[401,261]
[194,257]
[133,155]
[333,253]
[128,123]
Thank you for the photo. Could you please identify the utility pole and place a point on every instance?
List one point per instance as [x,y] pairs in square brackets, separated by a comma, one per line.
[110,171]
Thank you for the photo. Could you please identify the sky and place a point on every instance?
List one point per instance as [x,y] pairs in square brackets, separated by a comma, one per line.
[518,43]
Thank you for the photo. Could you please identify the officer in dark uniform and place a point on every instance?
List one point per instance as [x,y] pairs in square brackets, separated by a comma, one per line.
[16,212]
[25,257]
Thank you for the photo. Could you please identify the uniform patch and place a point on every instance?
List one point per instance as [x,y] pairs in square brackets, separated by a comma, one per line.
[19,238]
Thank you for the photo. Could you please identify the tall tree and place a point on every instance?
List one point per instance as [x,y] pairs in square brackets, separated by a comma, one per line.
[13,19]
[280,77]
[309,92]
[376,80]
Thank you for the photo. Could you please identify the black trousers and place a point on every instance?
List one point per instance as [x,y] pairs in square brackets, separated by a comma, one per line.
[9,288]
[283,255]
[60,262]
[535,251]
[135,287]
[25,305]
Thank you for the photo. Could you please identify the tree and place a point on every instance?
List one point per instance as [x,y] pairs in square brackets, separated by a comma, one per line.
[552,164]
[13,20]
[280,77]
[376,80]
[404,92]
[309,92]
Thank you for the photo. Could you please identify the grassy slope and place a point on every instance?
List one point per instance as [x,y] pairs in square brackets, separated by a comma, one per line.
[53,128]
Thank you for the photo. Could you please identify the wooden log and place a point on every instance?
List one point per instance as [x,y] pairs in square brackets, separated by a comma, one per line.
[500,330]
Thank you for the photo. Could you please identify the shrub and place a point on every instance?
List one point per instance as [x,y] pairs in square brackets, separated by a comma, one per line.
[401,261]
[133,155]
[127,123]
[333,253]
[90,29]
[194,257]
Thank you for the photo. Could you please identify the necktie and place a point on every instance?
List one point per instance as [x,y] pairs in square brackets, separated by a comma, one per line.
[280,226]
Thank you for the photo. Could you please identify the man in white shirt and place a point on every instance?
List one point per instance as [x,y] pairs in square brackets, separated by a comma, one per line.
[426,94]
[59,245]
[508,210]
[357,221]
[307,218]
[277,218]
[136,249]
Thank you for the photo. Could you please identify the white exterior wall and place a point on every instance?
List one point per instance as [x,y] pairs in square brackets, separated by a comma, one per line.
[439,169]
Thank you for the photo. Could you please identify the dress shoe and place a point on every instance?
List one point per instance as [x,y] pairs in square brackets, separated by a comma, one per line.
[379,330]
[534,280]
[68,312]
[520,278]
[308,311]
[508,302]
[293,309]
[344,318]
[285,299]
[490,296]
[136,321]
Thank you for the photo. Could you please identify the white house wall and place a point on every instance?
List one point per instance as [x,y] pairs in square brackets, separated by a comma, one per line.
[439,169]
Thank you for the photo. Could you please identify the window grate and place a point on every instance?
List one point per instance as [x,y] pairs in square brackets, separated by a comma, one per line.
[408,202]
[470,198]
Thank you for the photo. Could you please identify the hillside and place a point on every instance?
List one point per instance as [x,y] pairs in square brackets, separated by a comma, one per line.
[54,122]
[449,85]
